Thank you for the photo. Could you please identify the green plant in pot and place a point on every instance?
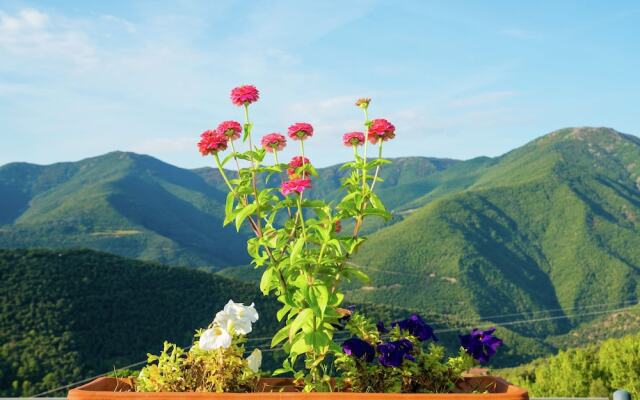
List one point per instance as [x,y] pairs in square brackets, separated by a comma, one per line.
[304,254]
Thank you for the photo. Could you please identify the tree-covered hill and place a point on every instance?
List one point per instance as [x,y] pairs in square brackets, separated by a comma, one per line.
[123,203]
[66,315]
[591,371]
[137,206]
[552,225]
[69,314]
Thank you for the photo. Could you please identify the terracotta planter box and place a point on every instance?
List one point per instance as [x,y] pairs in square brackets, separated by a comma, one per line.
[276,389]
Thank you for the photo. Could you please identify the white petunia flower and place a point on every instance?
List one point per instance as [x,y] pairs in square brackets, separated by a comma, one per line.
[214,338]
[236,317]
[255,360]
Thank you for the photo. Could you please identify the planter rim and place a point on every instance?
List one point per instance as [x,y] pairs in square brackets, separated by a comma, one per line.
[105,389]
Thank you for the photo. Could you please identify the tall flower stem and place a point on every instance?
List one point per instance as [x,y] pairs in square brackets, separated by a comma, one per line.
[364,151]
[275,155]
[375,176]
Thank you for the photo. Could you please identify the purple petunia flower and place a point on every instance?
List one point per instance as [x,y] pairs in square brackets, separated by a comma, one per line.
[393,353]
[358,348]
[381,329]
[482,345]
[416,327]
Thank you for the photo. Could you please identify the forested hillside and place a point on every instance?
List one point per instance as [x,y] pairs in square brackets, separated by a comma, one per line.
[552,225]
[140,207]
[69,314]
[592,371]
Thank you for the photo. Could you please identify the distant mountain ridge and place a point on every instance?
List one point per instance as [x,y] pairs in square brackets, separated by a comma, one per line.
[137,206]
[554,224]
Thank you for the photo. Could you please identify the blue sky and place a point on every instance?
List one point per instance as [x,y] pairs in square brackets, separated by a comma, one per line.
[458,79]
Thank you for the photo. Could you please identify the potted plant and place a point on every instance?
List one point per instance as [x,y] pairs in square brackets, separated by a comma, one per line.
[299,243]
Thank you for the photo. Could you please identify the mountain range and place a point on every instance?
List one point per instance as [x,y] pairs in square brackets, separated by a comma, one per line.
[552,225]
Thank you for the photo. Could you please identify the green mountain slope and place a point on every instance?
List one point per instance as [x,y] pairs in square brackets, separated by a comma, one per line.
[553,224]
[66,315]
[123,203]
[140,207]
[590,371]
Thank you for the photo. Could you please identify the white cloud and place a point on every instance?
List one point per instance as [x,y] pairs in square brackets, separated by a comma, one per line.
[31,33]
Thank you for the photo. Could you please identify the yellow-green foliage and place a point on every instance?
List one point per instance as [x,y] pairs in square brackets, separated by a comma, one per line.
[197,370]
[587,371]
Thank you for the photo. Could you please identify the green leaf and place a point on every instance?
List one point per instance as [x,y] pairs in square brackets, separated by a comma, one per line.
[227,158]
[318,298]
[244,213]
[282,312]
[302,318]
[228,209]
[265,281]
[300,346]
[279,336]
[379,213]
[376,202]
[295,251]
[356,273]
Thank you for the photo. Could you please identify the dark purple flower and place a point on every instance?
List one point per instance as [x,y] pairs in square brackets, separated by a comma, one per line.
[482,345]
[381,329]
[416,327]
[393,353]
[358,348]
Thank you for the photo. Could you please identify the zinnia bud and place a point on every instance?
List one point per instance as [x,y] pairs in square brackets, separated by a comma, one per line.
[363,102]
[300,131]
[244,95]
[273,141]
[337,226]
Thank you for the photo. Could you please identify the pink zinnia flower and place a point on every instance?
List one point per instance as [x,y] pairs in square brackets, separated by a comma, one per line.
[295,163]
[273,141]
[245,94]
[381,129]
[353,139]
[211,142]
[295,185]
[300,130]
[231,129]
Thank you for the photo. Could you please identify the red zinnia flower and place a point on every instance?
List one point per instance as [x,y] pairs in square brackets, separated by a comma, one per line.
[381,129]
[295,163]
[353,139]
[300,130]
[295,185]
[245,94]
[211,142]
[273,141]
[231,129]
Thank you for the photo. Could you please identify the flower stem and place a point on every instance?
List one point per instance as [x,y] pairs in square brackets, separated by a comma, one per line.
[375,177]
[364,151]
[224,175]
